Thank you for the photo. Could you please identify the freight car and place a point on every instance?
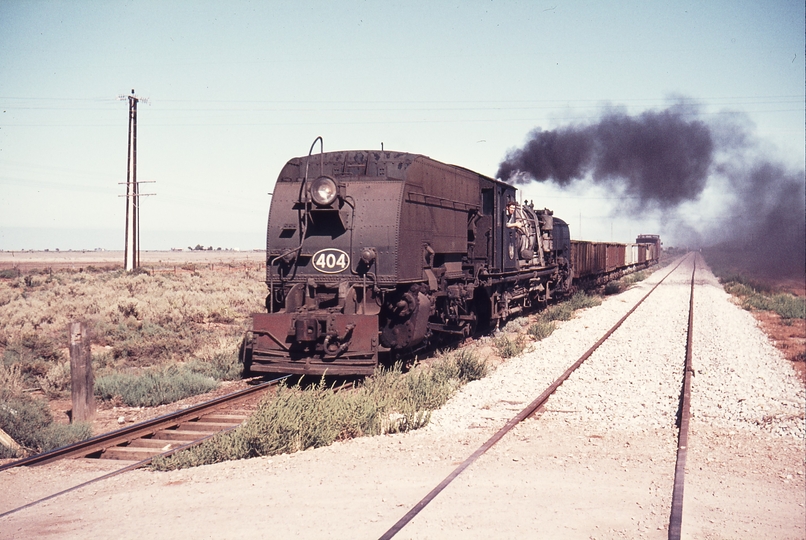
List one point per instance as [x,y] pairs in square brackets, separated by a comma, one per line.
[374,251]
[596,263]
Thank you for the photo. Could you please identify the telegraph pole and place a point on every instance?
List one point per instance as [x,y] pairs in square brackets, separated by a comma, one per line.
[131,257]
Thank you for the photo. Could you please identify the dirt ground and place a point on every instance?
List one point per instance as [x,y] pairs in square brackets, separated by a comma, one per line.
[77,260]
[789,337]
[538,482]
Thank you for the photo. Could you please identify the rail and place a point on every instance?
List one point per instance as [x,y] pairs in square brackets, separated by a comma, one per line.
[526,413]
[114,438]
[676,517]
[104,441]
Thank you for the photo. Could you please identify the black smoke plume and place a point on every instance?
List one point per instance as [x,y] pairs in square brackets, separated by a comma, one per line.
[661,159]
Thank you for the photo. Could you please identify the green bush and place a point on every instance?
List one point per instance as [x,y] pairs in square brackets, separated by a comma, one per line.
[470,366]
[28,421]
[738,289]
[758,296]
[153,387]
[57,435]
[733,279]
[23,417]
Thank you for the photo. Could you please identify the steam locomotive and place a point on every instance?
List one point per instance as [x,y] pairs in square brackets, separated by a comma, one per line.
[373,251]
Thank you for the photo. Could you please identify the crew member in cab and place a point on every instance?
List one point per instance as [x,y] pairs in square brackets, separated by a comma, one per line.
[516,219]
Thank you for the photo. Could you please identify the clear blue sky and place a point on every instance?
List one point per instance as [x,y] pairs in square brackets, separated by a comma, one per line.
[238,88]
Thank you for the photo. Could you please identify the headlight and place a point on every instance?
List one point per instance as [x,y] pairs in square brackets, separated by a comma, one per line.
[324,191]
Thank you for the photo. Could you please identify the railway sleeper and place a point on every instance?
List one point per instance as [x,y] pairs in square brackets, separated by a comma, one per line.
[180,434]
[230,418]
[130,453]
[154,443]
[210,427]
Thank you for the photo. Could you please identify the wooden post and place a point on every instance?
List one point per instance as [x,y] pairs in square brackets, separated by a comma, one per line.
[8,442]
[83,382]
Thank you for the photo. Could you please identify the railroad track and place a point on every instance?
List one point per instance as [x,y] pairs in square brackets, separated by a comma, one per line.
[140,443]
[533,407]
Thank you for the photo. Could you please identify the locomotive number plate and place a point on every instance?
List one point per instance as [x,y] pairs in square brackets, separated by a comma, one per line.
[331,261]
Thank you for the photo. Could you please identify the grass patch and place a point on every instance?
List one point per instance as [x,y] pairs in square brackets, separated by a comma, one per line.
[509,346]
[298,418]
[469,367]
[146,318]
[463,365]
[581,300]
[136,320]
[733,279]
[541,330]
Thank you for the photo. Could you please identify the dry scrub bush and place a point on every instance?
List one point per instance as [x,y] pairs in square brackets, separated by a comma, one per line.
[143,319]
[12,380]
